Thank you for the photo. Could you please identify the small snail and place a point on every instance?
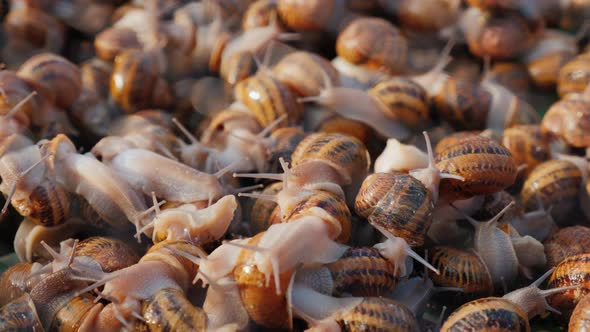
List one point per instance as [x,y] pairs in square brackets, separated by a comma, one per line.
[462,269]
[570,271]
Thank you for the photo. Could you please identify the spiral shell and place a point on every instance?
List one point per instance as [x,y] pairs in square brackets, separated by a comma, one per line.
[373,43]
[283,142]
[528,144]
[268,99]
[404,100]
[14,282]
[20,315]
[113,41]
[462,104]
[487,314]
[377,314]
[47,205]
[314,15]
[397,202]
[305,72]
[486,166]
[427,16]
[571,271]
[362,272]
[568,241]
[73,313]
[111,254]
[170,310]
[136,82]
[340,125]
[569,119]
[574,76]
[452,139]
[580,319]
[558,184]
[462,269]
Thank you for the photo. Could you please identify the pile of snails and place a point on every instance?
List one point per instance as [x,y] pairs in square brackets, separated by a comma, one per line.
[334,165]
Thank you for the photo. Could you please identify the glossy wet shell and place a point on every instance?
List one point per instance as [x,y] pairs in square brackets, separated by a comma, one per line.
[528,145]
[461,269]
[397,202]
[558,184]
[71,316]
[573,270]
[169,310]
[14,282]
[574,76]
[568,241]
[403,100]
[378,314]
[486,166]
[304,72]
[20,315]
[262,303]
[362,272]
[373,43]
[111,254]
[346,154]
[135,82]
[487,314]
[569,119]
[268,99]
[333,205]
[463,105]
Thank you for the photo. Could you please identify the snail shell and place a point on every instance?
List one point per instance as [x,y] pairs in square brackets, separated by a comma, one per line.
[558,184]
[452,139]
[136,82]
[170,310]
[405,100]
[571,271]
[14,281]
[486,166]
[268,99]
[377,314]
[429,15]
[56,77]
[263,304]
[373,43]
[553,51]
[282,143]
[574,76]
[569,119]
[492,204]
[462,269]
[238,66]
[73,314]
[487,314]
[362,272]
[113,41]
[47,205]
[305,72]
[340,125]
[315,15]
[528,145]
[259,14]
[397,202]
[512,75]
[20,315]
[262,210]
[568,241]
[111,254]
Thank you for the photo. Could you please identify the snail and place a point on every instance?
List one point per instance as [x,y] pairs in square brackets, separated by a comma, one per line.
[566,242]
[579,319]
[424,16]
[569,271]
[528,145]
[573,76]
[462,269]
[569,119]
[331,16]
[513,309]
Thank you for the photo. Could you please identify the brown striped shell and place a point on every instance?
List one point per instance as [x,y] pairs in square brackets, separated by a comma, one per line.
[111,254]
[136,83]
[57,78]
[558,184]
[341,125]
[404,100]
[237,67]
[346,154]
[377,314]
[487,314]
[569,119]
[398,203]
[373,43]
[362,272]
[452,139]
[462,269]
[14,282]
[462,104]
[566,242]
[574,76]
[259,14]
[160,251]
[333,208]
[282,143]
[96,75]
[264,305]
[528,145]
[313,15]
[305,73]
[260,215]
[112,41]
[170,310]
[35,27]
[47,205]
[15,90]
[268,99]
[73,313]
[20,315]
[580,319]
[571,271]
[486,166]
[424,16]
